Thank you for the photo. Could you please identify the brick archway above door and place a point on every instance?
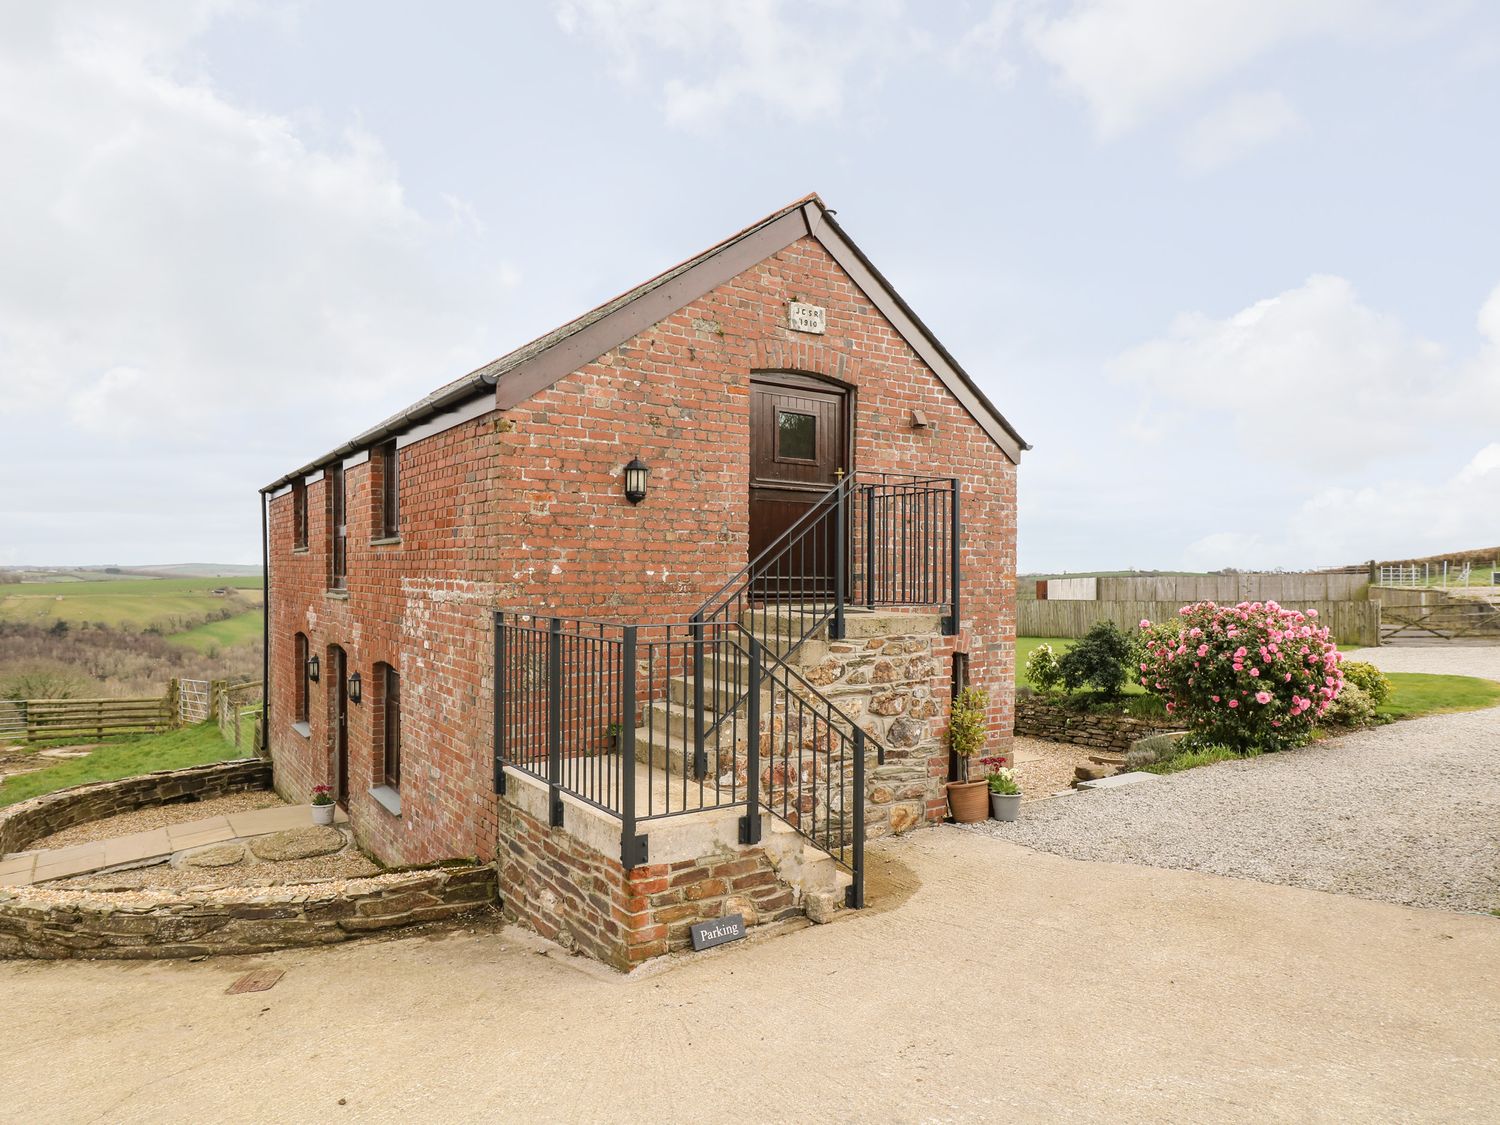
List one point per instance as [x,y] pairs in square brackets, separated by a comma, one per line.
[812,357]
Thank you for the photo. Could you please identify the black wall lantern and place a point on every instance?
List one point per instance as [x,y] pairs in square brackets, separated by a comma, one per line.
[312,667]
[354,688]
[635,480]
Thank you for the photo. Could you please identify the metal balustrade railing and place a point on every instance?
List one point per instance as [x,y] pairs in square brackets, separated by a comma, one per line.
[651,720]
[905,532]
[601,711]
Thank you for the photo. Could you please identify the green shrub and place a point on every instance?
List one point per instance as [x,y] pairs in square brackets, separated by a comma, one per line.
[1146,707]
[1352,707]
[968,726]
[1152,749]
[1043,669]
[1369,679]
[1099,660]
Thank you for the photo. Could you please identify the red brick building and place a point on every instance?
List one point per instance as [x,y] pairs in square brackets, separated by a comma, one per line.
[795,433]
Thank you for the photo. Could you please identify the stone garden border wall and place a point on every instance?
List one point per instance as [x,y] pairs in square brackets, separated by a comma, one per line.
[52,923]
[41,816]
[1057,722]
[61,924]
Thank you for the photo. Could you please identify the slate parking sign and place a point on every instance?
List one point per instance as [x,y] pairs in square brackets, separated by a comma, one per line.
[706,935]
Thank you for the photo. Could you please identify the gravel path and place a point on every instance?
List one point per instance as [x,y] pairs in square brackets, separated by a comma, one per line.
[1406,813]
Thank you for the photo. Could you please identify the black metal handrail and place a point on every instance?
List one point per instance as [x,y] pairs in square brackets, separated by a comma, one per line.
[581,704]
[904,529]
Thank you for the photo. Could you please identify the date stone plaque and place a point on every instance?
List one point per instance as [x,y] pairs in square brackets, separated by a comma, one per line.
[807,318]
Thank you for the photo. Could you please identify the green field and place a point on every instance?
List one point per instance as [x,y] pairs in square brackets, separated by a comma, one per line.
[125,757]
[238,630]
[134,603]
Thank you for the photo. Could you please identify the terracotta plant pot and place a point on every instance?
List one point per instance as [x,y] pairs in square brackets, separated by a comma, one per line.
[1005,806]
[969,801]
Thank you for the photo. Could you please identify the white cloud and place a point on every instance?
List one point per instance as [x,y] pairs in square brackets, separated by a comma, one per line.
[1313,377]
[1130,59]
[1394,517]
[182,267]
[713,60]
[1243,123]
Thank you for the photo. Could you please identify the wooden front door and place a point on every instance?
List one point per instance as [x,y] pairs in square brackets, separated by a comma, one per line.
[340,726]
[798,451]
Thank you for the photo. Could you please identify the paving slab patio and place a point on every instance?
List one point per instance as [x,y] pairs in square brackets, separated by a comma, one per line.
[20,869]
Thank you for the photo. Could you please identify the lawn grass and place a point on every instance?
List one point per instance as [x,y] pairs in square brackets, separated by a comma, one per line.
[137,603]
[125,757]
[238,630]
[1419,693]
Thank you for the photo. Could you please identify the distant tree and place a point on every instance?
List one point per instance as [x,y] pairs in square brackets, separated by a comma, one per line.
[41,681]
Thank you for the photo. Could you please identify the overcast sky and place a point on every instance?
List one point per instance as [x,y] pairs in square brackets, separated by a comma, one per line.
[1231,266]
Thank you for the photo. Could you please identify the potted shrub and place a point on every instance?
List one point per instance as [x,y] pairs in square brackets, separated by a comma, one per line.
[967,727]
[1005,794]
[612,736]
[322,804]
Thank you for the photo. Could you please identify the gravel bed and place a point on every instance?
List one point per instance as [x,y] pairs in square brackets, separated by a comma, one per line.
[1406,813]
[144,820]
[1051,771]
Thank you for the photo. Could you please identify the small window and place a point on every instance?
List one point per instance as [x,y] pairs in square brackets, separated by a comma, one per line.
[338,517]
[390,682]
[299,515]
[388,514]
[303,686]
[796,436]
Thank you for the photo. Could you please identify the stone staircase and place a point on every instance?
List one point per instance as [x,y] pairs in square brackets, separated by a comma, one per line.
[881,674]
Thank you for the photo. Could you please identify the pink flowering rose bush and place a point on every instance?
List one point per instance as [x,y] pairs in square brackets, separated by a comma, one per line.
[1251,677]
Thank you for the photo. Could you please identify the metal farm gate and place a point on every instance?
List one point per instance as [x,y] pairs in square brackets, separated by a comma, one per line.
[192,700]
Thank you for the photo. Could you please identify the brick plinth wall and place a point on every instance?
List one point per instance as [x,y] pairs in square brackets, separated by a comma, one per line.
[1056,722]
[52,812]
[568,892]
[55,925]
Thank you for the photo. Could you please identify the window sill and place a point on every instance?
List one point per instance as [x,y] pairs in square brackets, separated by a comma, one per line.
[337,595]
[388,798]
[304,729]
[299,550]
[387,541]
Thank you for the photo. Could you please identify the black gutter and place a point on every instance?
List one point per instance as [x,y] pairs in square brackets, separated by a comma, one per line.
[265,629]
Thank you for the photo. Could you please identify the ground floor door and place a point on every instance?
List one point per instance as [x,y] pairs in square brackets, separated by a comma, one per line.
[338,662]
[799,446]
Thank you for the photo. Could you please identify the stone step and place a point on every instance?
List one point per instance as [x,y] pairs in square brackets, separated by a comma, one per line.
[775,624]
[718,695]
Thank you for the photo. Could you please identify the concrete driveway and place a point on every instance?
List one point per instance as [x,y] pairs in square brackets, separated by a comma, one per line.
[993,983]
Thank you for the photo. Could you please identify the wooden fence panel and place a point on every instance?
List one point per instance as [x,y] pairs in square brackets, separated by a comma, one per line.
[94,718]
[1353,623]
[1288,589]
